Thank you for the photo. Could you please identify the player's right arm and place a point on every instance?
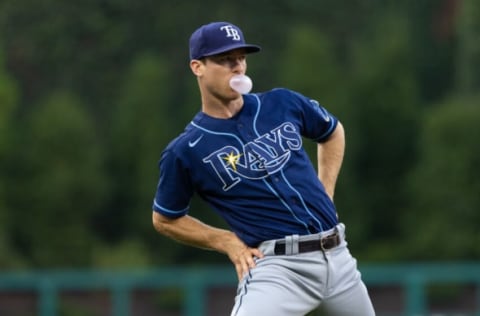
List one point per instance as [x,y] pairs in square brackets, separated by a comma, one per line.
[191,231]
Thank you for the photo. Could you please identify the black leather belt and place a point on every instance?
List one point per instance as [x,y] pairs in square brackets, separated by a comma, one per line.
[325,243]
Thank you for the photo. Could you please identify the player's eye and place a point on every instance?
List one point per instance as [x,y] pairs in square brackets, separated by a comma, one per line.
[236,58]
[229,59]
[219,59]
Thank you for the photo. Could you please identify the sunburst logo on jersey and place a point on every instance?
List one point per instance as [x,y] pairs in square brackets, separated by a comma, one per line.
[232,160]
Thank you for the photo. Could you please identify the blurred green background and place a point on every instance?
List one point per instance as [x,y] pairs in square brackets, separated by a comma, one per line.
[92,91]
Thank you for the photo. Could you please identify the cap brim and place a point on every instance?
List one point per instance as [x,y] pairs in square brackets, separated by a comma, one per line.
[249,49]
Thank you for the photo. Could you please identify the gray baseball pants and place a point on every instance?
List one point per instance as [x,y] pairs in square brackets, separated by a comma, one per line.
[296,283]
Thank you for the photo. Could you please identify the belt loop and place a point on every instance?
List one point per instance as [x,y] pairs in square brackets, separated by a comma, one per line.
[295,247]
[288,245]
[291,244]
[341,230]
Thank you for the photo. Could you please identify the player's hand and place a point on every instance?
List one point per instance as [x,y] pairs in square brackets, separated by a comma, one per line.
[245,260]
[243,257]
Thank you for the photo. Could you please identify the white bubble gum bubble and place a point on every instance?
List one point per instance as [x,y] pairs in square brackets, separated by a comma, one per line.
[241,83]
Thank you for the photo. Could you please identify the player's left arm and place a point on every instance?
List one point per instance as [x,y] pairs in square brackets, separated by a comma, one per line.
[329,159]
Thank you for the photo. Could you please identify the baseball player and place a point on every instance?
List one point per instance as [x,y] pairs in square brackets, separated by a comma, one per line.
[243,154]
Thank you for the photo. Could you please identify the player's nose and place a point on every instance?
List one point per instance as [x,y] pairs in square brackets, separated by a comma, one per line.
[238,66]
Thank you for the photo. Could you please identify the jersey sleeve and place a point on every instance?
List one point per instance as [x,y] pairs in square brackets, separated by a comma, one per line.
[174,189]
[318,123]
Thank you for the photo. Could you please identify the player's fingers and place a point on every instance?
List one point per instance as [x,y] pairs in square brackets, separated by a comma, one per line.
[251,257]
[239,272]
[245,260]
[250,261]
[257,253]
[247,264]
[242,269]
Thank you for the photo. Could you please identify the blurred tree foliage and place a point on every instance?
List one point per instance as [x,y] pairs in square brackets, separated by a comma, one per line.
[92,91]
[60,183]
[444,185]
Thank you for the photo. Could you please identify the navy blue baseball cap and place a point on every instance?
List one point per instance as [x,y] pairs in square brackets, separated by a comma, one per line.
[216,38]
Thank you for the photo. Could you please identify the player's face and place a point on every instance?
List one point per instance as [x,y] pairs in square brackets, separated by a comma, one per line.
[235,60]
[218,71]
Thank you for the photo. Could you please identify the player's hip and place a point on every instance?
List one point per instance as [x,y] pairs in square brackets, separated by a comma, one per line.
[325,241]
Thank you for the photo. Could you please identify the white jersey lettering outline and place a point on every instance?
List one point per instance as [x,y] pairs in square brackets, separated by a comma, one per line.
[259,158]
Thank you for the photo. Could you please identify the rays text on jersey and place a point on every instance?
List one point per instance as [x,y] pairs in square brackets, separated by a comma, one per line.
[265,155]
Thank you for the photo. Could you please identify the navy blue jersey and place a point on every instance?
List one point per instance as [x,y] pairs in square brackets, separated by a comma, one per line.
[252,168]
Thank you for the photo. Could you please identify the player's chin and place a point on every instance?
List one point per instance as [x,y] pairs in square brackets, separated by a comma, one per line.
[235,93]
[231,94]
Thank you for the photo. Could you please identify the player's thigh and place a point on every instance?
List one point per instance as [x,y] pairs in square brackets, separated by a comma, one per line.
[279,301]
[353,302]
[273,288]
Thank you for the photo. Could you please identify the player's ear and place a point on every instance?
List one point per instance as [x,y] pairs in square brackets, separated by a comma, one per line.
[196,66]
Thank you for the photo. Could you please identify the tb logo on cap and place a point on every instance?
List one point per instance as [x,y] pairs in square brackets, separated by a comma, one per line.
[231,32]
